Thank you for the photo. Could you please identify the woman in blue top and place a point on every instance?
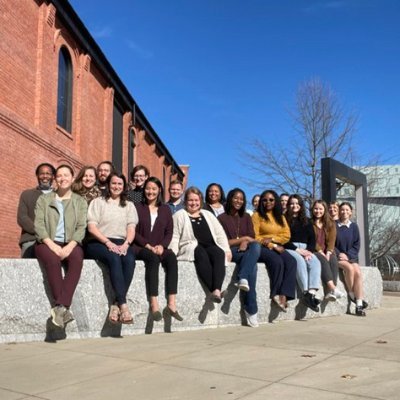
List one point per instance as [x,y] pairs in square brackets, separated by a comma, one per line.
[347,248]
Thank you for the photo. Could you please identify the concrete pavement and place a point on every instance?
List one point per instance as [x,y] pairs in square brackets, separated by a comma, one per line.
[342,357]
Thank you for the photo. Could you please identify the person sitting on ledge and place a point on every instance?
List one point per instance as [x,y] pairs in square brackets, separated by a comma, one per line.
[302,247]
[333,210]
[284,198]
[245,250]
[85,183]
[215,199]
[60,226]
[139,175]
[254,203]
[111,222]
[272,232]
[26,208]
[347,249]
[153,235]
[325,233]
[104,169]
[175,201]
[199,237]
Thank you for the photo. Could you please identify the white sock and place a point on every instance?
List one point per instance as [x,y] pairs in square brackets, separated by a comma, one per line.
[359,302]
[312,291]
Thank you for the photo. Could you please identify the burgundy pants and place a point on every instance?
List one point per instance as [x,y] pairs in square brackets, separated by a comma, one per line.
[62,288]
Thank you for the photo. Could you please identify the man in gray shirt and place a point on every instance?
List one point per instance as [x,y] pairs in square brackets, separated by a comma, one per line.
[26,208]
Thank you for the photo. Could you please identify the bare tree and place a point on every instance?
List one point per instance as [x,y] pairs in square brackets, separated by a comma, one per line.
[321,129]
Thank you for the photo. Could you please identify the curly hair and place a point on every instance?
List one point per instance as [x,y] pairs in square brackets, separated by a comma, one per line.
[276,211]
[222,199]
[301,215]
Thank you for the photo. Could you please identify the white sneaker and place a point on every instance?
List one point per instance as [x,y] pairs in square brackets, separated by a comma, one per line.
[244,285]
[330,296]
[338,293]
[251,320]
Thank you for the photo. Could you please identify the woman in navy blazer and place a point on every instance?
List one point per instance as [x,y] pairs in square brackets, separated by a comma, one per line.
[153,235]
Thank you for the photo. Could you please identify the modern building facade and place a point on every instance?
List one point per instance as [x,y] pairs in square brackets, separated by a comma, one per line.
[62,102]
[383,211]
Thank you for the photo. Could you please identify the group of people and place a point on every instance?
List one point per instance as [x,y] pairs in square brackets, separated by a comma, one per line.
[100,215]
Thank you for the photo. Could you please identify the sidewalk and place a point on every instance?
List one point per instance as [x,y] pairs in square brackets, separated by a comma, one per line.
[335,358]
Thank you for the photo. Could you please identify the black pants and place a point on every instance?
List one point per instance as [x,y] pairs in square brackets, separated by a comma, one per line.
[329,269]
[282,272]
[210,266]
[152,264]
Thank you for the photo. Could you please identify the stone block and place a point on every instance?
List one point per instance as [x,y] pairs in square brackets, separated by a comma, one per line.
[25,303]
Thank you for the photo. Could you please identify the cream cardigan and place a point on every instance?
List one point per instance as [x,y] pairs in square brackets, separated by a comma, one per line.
[183,240]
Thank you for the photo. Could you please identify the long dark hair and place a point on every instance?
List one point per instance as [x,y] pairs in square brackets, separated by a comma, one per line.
[160,196]
[229,198]
[276,211]
[302,214]
[221,200]
[123,196]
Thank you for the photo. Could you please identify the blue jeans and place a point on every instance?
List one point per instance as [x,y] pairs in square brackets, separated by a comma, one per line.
[247,269]
[308,272]
[121,267]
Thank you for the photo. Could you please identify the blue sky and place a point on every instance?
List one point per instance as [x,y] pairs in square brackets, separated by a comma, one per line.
[212,75]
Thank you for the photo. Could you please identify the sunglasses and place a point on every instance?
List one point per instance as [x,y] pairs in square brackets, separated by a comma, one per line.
[270,200]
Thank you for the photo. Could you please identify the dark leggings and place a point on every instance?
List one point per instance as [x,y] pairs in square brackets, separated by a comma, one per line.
[329,269]
[152,264]
[210,266]
[121,267]
[62,288]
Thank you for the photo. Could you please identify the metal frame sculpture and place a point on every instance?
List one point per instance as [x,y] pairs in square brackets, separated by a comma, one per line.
[332,170]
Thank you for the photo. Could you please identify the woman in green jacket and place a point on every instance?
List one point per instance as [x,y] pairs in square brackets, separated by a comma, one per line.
[60,224]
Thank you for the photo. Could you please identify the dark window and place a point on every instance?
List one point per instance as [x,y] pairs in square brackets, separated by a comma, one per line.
[64,97]
[117,138]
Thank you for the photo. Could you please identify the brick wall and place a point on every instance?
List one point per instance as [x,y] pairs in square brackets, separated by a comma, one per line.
[31,37]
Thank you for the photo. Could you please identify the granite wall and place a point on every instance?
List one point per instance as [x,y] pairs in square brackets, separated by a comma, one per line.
[25,303]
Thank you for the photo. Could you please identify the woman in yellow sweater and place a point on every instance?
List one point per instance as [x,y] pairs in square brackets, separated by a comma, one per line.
[272,232]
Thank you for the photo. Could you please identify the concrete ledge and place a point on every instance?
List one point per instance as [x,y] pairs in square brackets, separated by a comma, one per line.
[24,305]
[391,286]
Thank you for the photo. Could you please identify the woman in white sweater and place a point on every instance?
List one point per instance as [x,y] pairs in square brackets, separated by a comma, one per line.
[199,237]
[111,222]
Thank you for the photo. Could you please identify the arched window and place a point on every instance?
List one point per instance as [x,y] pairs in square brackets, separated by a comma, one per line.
[64,96]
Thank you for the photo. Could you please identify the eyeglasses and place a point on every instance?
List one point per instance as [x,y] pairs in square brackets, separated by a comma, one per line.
[139,176]
[268,200]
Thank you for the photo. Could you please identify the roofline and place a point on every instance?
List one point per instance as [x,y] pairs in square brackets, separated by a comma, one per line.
[71,20]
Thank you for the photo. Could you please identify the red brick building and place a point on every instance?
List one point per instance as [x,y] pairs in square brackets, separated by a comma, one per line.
[62,102]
